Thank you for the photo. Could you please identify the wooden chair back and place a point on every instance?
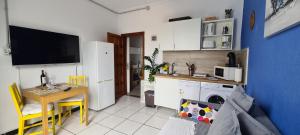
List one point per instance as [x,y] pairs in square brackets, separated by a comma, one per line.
[17,98]
[77,80]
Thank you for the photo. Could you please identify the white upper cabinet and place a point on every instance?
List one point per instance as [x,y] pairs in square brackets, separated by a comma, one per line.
[187,34]
[165,37]
[180,35]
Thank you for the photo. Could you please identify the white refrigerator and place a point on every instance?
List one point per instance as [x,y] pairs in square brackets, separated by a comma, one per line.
[98,66]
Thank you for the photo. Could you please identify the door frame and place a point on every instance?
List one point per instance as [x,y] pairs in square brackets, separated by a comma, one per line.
[124,40]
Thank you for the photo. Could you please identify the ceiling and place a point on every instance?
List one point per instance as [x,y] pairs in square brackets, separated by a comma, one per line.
[123,5]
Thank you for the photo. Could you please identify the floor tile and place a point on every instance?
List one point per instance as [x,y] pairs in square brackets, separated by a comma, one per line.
[165,113]
[112,132]
[94,130]
[126,112]
[146,130]
[157,122]
[73,125]
[112,109]
[58,130]
[99,116]
[140,117]
[111,121]
[128,127]
[148,110]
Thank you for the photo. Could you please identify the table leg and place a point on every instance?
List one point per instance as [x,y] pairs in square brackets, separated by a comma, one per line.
[86,108]
[44,104]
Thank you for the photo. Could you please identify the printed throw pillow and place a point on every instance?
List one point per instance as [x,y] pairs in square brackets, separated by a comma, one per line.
[197,111]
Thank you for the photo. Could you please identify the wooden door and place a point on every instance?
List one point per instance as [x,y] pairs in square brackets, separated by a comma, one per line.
[120,63]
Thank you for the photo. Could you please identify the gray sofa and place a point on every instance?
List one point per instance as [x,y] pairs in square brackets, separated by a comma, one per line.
[248,119]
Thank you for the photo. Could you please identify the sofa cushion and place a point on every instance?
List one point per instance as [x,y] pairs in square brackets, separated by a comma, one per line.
[201,128]
[240,97]
[198,111]
[226,122]
[258,114]
[250,126]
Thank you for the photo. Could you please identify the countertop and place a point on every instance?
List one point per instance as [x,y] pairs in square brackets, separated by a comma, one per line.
[199,79]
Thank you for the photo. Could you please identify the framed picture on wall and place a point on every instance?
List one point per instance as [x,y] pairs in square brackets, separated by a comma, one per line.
[281,15]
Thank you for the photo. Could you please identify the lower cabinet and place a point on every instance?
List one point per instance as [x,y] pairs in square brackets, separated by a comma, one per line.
[166,93]
[169,92]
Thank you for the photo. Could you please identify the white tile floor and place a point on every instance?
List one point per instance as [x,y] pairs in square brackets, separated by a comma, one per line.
[127,117]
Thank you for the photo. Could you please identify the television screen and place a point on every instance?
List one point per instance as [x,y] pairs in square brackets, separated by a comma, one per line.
[30,46]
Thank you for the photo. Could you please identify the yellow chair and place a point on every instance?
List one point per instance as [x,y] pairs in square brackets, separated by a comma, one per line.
[74,101]
[29,111]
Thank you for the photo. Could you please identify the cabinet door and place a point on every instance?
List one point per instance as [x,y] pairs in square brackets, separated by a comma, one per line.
[189,90]
[165,37]
[167,93]
[187,34]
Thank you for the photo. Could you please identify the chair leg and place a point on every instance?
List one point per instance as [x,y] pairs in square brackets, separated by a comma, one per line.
[59,115]
[81,114]
[21,127]
[70,110]
[53,122]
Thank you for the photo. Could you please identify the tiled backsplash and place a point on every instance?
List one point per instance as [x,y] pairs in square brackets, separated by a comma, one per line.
[204,60]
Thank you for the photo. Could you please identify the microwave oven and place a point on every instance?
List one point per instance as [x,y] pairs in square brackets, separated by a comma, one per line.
[226,73]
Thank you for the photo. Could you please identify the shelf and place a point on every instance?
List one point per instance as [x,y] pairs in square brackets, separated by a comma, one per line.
[217,35]
[216,49]
[222,20]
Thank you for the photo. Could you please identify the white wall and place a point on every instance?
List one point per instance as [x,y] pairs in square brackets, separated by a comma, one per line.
[160,12]
[78,17]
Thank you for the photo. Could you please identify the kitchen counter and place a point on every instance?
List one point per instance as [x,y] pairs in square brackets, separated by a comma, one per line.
[199,79]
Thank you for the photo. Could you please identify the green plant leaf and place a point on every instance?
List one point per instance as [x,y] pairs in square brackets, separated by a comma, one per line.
[147,67]
[149,59]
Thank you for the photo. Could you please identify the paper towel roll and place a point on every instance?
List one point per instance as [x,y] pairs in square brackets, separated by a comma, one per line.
[238,75]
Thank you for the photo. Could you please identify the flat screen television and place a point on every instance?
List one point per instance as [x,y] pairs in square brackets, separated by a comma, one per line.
[31,46]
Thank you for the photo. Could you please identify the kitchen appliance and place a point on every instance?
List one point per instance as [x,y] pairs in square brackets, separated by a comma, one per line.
[211,29]
[98,65]
[32,46]
[215,92]
[231,60]
[226,73]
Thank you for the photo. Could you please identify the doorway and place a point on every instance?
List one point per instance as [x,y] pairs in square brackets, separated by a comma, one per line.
[134,62]
[129,62]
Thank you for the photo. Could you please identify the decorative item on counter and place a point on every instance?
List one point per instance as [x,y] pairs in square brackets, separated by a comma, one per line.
[225,30]
[153,67]
[172,69]
[228,13]
[210,18]
[191,68]
[165,69]
[231,60]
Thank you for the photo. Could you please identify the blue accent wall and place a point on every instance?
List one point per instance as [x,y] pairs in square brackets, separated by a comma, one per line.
[274,69]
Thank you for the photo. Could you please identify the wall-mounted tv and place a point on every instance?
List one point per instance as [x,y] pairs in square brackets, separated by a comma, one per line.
[31,46]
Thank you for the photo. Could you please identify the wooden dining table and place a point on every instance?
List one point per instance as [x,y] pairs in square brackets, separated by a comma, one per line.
[45,96]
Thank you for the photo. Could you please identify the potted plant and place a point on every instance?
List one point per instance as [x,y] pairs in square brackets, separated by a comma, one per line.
[153,67]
